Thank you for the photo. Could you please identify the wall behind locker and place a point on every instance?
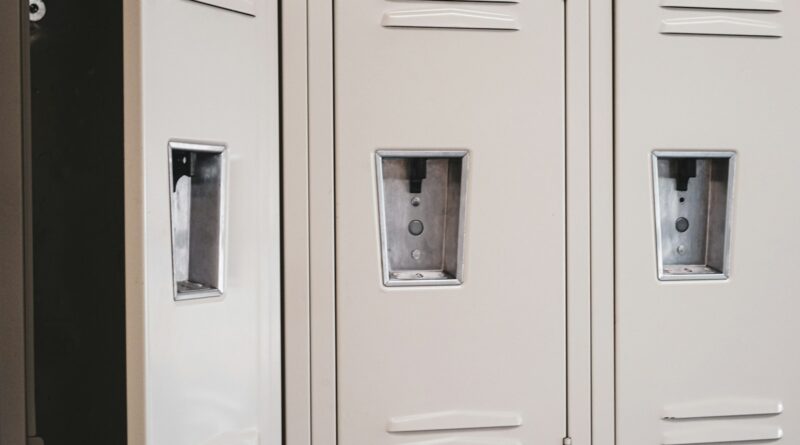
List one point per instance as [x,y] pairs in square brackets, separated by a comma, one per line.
[78,231]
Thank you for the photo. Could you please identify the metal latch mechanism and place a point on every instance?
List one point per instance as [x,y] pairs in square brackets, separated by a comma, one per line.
[36,10]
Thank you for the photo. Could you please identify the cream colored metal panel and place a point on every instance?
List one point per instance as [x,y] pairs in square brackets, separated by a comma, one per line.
[208,370]
[721,25]
[496,342]
[244,6]
[578,198]
[707,348]
[602,222]
[135,291]
[449,18]
[321,222]
[751,5]
[295,224]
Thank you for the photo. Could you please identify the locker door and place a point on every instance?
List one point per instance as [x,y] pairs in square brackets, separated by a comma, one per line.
[204,325]
[706,354]
[450,299]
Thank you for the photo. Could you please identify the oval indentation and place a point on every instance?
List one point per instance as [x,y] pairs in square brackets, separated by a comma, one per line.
[449,18]
[745,5]
[453,420]
[722,408]
[723,434]
[467,441]
[721,25]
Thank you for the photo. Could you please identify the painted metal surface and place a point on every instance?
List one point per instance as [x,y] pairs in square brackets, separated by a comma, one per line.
[717,434]
[454,420]
[678,342]
[494,343]
[726,407]
[722,26]
[747,5]
[244,6]
[449,18]
[205,371]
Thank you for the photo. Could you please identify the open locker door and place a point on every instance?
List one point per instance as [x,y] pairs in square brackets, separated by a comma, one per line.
[202,222]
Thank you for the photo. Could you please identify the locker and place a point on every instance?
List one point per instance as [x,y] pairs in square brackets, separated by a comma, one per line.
[492,222]
[146,194]
[707,358]
[678,159]
[448,148]
[203,223]
[141,223]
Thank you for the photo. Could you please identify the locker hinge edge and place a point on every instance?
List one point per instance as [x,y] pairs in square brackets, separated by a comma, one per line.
[567,441]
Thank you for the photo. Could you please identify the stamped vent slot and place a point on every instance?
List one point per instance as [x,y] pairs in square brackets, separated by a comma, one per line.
[723,433]
[472,1]
[455,18]
[722,408]
[743,5]
[730,24]
[454,420]
[465,440]
[721,25]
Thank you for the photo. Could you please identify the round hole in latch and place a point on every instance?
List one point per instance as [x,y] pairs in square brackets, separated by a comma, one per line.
[416,227]
[682,200]
[681,224]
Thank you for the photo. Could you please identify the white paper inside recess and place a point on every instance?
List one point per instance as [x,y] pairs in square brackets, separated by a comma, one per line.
[181,217]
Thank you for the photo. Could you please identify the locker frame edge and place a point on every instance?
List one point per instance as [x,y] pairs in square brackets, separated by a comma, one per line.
[308,155]
[135,342]
[13,428]
[294,201]
[601,106]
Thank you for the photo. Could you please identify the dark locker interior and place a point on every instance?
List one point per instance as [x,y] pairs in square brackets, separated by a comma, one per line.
[76,143]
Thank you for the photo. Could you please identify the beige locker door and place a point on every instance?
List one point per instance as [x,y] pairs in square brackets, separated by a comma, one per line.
[714,359]
[482,362]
